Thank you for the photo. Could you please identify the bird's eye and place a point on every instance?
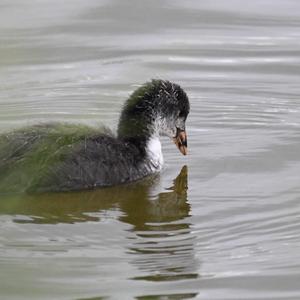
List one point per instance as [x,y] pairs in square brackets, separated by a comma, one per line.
[181,114]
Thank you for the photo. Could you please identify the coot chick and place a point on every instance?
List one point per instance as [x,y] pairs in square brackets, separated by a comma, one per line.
[64,157]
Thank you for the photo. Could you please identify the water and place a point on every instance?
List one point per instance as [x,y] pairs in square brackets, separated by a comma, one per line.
[227,225]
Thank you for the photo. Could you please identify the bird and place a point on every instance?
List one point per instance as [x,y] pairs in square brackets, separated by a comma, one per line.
[59,157]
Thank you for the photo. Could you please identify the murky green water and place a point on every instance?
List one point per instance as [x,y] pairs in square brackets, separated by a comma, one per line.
[221,223]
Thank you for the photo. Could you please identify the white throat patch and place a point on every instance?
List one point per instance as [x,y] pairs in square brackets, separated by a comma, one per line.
[155,154]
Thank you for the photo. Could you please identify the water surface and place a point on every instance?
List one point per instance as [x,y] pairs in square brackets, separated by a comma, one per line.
[221,223]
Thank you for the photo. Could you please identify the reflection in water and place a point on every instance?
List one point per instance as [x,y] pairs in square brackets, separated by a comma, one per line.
[168,297]
[160,238]
[154,297]
[134,200]
[73,207]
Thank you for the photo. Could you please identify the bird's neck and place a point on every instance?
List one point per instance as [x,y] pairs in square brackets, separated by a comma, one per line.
[138,124]
[146,140]
[136,128]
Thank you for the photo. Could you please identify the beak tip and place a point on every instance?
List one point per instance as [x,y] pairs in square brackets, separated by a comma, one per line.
[183,150]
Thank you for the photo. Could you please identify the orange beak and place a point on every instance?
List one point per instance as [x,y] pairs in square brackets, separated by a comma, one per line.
[180,141]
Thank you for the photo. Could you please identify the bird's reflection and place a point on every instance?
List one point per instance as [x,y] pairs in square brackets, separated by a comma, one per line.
[171,205]
[161,242]
[133,200]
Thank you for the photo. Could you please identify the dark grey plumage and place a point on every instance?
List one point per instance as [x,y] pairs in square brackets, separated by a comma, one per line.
[97,161]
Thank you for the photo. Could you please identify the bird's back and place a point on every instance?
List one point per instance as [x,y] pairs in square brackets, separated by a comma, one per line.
[61,157]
